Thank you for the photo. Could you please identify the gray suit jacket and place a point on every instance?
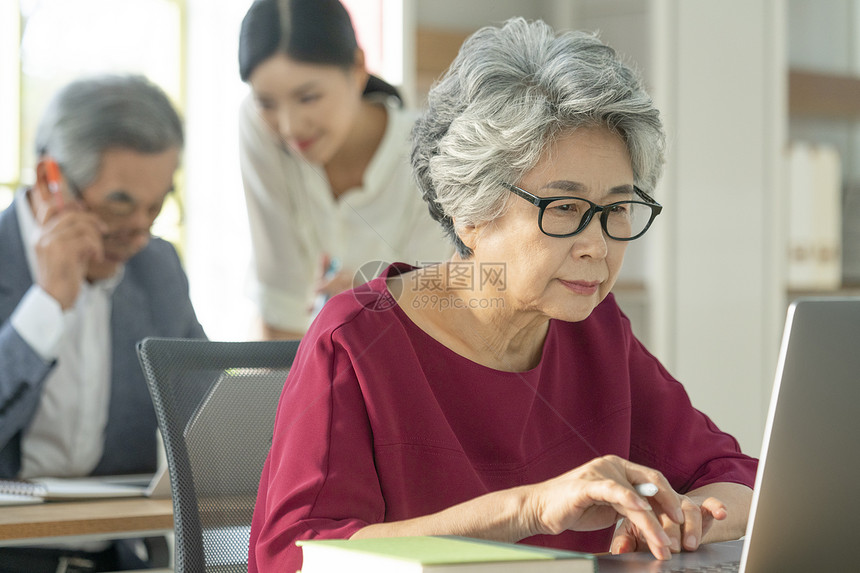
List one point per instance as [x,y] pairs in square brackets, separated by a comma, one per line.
[151,300]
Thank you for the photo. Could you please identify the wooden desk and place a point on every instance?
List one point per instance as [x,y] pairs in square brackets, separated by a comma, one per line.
[79,520]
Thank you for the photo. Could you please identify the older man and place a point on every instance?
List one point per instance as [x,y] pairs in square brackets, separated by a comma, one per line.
[82,281]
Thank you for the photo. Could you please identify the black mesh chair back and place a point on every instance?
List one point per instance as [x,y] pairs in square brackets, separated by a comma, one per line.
[215,403]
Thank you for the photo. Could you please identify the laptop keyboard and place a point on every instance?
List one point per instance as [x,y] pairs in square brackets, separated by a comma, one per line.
[723,557]
[727,567]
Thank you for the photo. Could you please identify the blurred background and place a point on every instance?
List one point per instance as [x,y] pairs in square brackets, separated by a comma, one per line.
[761,189]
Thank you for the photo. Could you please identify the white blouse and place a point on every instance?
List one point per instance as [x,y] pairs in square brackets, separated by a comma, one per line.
[295,219]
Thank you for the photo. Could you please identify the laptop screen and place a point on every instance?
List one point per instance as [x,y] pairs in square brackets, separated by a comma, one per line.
[804,507]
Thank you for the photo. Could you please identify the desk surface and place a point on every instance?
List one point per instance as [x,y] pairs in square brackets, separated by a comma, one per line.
[104,518]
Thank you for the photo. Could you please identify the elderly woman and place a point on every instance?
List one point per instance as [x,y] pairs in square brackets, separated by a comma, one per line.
[502,395]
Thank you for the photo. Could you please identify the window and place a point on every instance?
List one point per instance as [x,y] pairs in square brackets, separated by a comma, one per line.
[47,43]
[10,138]
[379,30]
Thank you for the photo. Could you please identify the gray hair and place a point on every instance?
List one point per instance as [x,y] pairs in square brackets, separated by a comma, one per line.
[510,92]
[92,115]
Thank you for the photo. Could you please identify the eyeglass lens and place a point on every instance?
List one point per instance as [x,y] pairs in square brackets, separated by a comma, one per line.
[117,205]
[121,206]
[621,220]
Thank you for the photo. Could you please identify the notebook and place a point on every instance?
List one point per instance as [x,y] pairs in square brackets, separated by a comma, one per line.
[38,490]
[804,508]
[437,554]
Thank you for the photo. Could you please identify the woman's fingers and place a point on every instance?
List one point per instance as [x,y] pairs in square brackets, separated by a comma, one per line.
[625,539]
[692,529]
[683,537]
[631,535]
[638,512]
[700,520]
[665,501]
[600,492]
[661,514]
[684,521]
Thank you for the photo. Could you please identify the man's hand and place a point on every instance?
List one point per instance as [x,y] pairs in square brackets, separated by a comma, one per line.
[69,239]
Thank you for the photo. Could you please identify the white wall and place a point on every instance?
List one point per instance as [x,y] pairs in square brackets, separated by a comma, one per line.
[472,14]
[720,77]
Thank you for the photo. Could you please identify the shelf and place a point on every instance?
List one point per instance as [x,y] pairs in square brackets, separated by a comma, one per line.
[435,49]
[846,290]
[823,95]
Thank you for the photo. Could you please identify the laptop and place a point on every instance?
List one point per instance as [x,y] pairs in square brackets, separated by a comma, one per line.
[133,485]
[38,490]
[804,508]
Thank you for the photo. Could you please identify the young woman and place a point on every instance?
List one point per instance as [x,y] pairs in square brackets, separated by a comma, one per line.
[324,158]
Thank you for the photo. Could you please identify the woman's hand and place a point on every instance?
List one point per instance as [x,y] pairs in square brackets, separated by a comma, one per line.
[591,497]
[699,516]
[336,283]
[595,495]
[333,279]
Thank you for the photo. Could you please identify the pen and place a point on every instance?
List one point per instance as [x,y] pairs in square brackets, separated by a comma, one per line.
[52,173]
[332,268]
[645,489]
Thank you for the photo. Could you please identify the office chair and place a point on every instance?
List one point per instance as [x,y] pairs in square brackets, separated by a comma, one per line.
[215,403]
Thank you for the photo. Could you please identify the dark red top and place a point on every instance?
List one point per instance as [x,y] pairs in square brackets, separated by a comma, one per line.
[380,422]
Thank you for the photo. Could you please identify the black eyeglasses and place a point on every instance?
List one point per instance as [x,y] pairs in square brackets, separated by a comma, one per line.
[567,216]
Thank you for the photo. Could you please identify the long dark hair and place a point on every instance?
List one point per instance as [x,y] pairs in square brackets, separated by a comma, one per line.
[312,31]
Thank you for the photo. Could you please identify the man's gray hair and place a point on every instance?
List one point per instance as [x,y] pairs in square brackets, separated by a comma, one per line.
[92,115]
[510,92]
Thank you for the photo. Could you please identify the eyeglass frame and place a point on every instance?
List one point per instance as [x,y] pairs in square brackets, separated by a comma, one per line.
[543,202]
[103,208]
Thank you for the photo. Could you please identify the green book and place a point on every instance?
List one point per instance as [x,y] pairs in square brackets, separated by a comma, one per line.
[442,554]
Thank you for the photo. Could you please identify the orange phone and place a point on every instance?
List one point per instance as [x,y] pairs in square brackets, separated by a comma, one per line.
[52,173]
